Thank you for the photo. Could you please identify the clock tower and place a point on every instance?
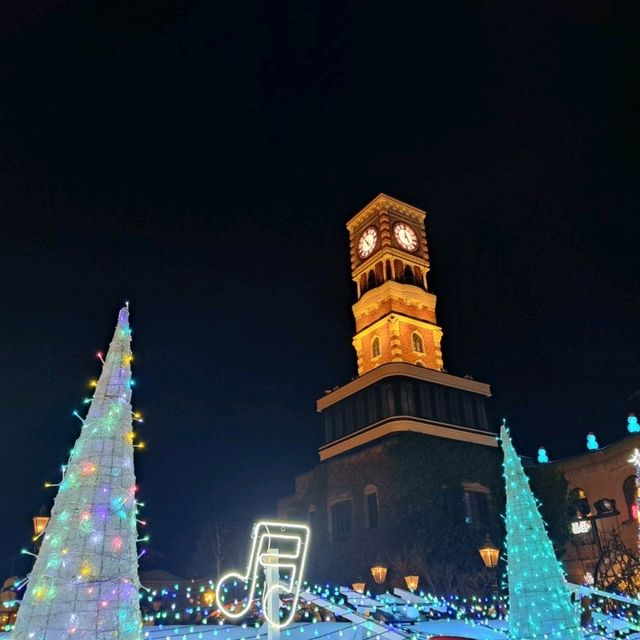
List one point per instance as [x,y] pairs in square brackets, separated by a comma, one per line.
[407,451]
[395,313]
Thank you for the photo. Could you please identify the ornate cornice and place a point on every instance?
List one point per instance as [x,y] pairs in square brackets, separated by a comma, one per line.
[383,202]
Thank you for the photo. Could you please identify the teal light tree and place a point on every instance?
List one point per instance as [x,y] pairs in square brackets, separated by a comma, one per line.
[84,584]
[539,601]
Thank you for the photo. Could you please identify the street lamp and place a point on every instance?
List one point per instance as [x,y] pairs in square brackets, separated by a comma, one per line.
[412,582]
[489,553]
[358,587]
[379,573]
[40,523]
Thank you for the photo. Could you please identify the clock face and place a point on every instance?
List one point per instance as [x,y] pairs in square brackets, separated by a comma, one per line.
[367,242]
[407,238]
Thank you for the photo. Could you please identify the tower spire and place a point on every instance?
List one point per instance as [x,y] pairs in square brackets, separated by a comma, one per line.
[84,584]
[539,601]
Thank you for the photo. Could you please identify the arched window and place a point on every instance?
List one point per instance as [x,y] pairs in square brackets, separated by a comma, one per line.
[363,283]
[371,506]
[476,506]
[416,341]
[371,280]
[408,275]
[630,491]
[407,404]
[375,347]
[388,401]
[340,519]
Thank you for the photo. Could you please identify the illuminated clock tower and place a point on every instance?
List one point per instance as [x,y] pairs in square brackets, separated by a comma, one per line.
[407,452]
[395,313]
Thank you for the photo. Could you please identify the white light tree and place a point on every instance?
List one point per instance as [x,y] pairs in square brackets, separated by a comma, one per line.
[84,584]
[539,601]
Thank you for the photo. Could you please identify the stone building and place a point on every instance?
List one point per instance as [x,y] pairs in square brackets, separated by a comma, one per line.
[602,507]
[409,468]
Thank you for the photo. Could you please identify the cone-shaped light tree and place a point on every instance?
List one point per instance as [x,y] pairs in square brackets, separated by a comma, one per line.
[84,584]
[539,602]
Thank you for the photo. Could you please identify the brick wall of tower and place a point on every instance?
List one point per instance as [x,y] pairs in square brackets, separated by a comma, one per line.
[392,305]
[396,345]
[429,357]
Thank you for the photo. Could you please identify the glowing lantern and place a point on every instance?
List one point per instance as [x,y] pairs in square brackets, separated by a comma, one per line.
[489,554]
[40,524]
[209,598]
[412,582]
[379,573]
[358,587]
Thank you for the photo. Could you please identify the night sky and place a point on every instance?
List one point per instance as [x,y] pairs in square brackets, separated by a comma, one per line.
[201,159]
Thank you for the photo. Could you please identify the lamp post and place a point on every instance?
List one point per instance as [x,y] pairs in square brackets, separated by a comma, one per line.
[40,523]
[379,573]
[358,587]
[490,555]
[412,582]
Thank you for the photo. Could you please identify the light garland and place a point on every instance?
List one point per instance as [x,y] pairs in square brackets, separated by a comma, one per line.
[539,601]
[187,608]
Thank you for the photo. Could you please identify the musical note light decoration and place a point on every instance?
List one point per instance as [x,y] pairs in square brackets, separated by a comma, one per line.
[267,536]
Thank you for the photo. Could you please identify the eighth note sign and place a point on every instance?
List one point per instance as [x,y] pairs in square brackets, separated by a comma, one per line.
[278,550]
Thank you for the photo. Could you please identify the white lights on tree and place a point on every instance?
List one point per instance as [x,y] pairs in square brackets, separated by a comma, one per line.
[84,584]
[281,546]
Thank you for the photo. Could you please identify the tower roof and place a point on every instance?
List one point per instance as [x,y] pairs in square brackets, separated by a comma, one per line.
[382,200]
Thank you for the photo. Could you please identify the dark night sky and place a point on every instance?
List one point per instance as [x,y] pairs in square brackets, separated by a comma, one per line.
[201,159]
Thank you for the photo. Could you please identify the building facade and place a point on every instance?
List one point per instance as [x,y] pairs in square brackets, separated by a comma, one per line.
[602,516]
[409,467]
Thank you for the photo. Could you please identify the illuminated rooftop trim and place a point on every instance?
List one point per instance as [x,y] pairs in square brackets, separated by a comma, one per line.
[401,369]
[394,425]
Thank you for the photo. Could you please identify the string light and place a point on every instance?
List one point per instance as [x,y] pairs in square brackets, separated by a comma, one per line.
[89,547]
[539,601]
